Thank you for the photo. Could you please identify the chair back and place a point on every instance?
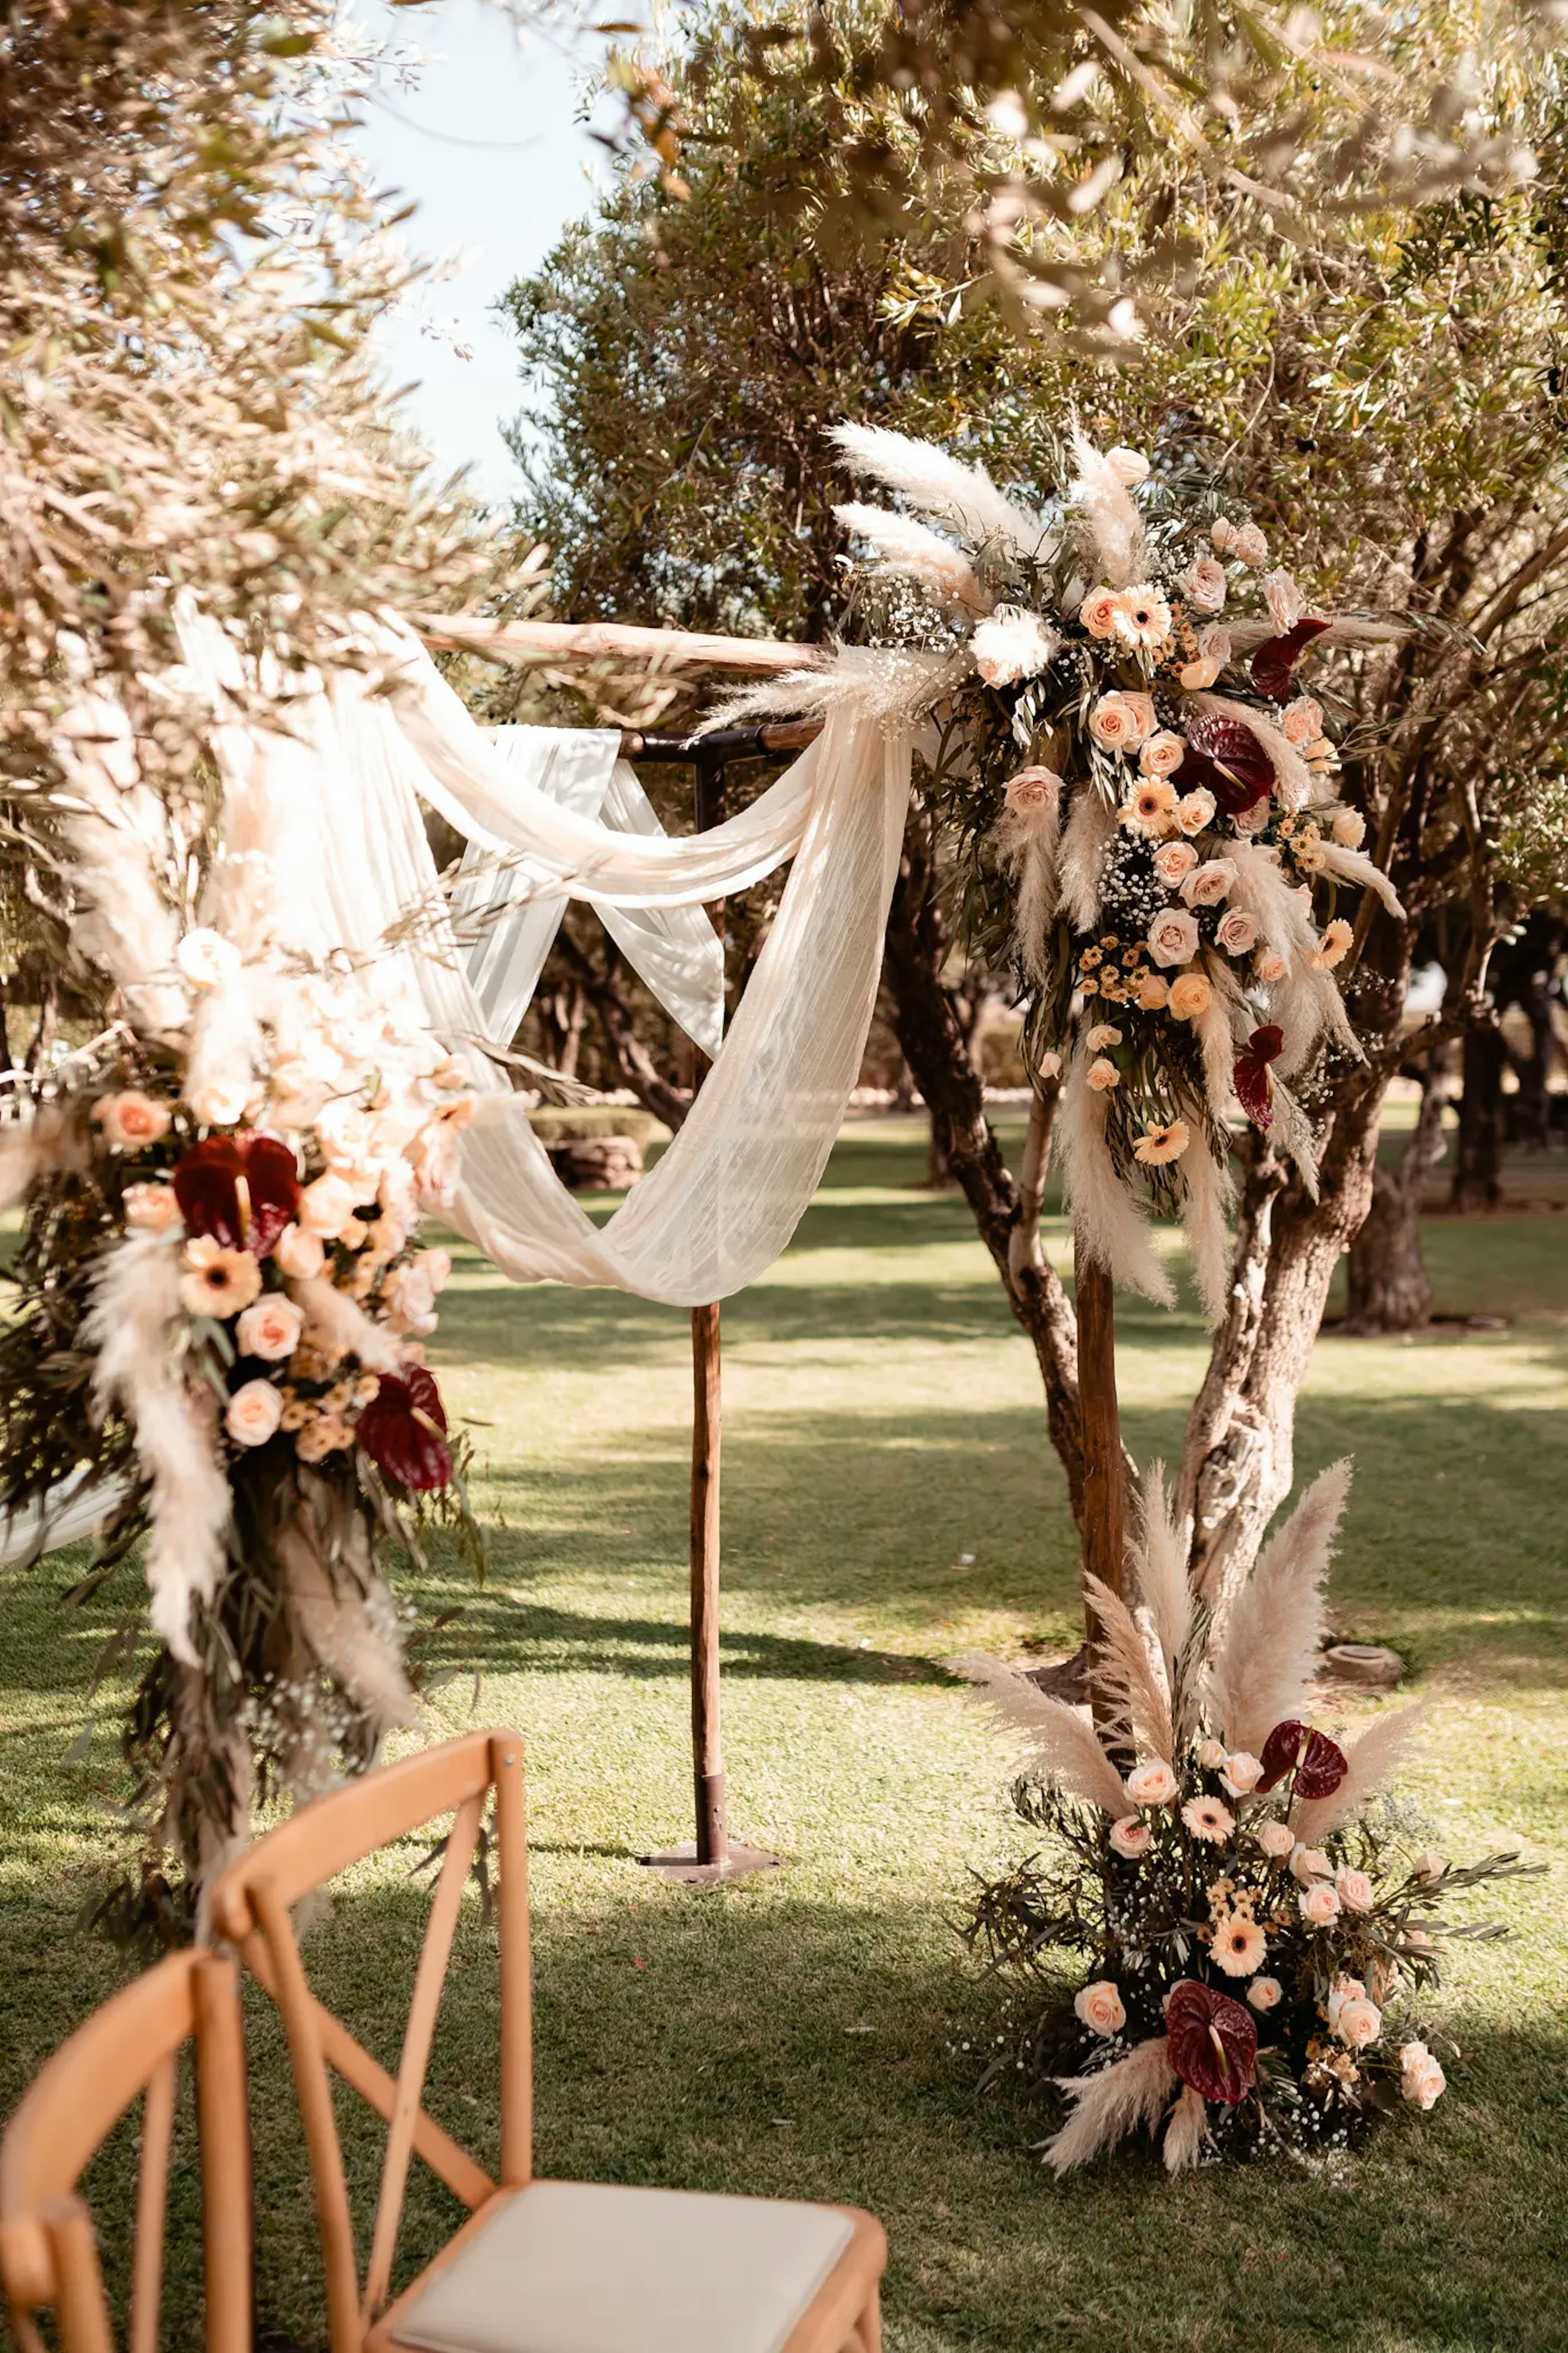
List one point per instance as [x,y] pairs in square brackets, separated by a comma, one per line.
[250,1905]
[48,2251]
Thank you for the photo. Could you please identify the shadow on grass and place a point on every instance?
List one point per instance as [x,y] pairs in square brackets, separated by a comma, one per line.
[720,2043]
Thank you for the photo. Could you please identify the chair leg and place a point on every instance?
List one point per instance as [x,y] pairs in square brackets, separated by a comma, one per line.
[870,2325]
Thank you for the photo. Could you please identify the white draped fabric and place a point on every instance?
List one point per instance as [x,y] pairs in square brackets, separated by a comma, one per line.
[342,789]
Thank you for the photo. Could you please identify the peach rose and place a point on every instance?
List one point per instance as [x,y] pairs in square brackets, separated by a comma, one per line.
[1422,2081]
[1283,599]
[1197,676]
[1190,996]
[220,1103]
[436,1267]
[1348,827]
[1103,1034]
[1276,1839]
[1302,720]
[1431,1867]
[1104,1076]
[1207,884]
[325,1205]
[1319,1904]
[255,1411]
[1241,1773]
[1130,467]
[1100,2008]
[1265,1993]
[1250,547]
[1272,966]
[206,959]
[1154,993]
[1356,1891]
[1142,706]
[1310,1862]
[300,1252]
[1050,1063]
[1237,932]
[1153,1784]
[1358,2022]
[1202,584]
[1172,936]
[1032,788]
[131,1120]
[1097,613]
[1194,811]
[270,1327]
[1130,1837]
[1249,822]
[1222,535]
[152,1208]
[1113,724]
[1161,754]
[1211,1754]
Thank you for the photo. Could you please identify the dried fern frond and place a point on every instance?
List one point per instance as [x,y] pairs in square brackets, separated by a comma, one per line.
[1064,1743]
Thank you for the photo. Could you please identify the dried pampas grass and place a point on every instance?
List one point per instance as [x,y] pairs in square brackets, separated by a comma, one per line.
[1268,1654]
[913,551]
[1089,831]
[1369,1762]
[1261,890]
[1123,1673]
[1026,842]
[1108,507]
[942,485]
[338,1326]
[1185,2131]
[349,1623]
[1354,866]
[1208,1195]
[1109,1225]
[1111,2103]
[1065,1742]
[1159,1562]
[136,1298]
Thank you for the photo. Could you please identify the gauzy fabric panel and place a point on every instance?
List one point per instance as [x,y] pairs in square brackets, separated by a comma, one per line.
[507,913]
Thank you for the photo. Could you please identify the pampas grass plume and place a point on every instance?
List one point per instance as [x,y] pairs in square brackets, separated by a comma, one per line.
[1268,1652]
[1369,1762]
[1111,2103]
[1065,1742]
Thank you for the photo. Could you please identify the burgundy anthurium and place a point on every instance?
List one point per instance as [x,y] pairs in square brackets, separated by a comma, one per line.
[1212,2041]
[1277,656]
[403,1430]
[1318,1762]
[241,1189]
[1228,760]
[1251,1075]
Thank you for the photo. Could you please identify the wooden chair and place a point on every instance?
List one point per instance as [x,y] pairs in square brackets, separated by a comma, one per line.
[540,2266]
[49,2254]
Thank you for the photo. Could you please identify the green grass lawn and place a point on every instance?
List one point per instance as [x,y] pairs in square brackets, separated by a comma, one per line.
[890,1500]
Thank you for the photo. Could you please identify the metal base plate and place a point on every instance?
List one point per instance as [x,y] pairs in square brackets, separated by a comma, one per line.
[679,1864]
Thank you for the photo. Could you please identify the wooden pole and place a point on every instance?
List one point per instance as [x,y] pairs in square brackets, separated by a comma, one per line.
[608,641]
[1104,1533]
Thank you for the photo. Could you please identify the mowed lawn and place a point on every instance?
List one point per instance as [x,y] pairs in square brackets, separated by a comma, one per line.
[889,1500]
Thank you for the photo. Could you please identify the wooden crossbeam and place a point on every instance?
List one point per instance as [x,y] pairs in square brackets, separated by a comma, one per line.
[588,641]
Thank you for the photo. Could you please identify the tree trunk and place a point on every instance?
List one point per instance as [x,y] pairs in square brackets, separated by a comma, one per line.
[633,1064]
[1389,1287]
[1478,1167]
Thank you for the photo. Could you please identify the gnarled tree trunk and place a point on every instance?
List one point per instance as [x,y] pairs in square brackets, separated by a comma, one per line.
[1389,1289]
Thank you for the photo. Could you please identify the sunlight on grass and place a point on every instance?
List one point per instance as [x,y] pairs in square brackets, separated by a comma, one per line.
[820,2032]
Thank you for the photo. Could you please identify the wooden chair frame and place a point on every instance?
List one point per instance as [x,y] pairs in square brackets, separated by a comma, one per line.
[251,1906]
[49,2252]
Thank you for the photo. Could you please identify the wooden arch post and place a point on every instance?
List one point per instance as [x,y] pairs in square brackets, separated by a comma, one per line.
[1104,1527]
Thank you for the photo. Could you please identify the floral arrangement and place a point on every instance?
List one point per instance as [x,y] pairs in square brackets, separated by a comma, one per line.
[1150,829]
[218,1333]
[1260,1936]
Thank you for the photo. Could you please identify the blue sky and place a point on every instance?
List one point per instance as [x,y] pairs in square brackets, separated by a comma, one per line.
[489,147]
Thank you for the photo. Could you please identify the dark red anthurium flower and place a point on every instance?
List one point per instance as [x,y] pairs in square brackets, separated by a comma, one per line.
[1212,2040]
[403,1430]
[1227,758]
[1318,1762]
[1251,1075]
[241,1189]
[1277,656]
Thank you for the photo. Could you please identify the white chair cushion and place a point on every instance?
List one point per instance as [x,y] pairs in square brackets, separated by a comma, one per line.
[588,2267]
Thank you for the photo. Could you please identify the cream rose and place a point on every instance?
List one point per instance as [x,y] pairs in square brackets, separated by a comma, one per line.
[1153,1784]
[1098,612]
[1241,1773]
[1319,1904]
[1104,1076]
[1197,677]
[1431,1867]
[1265,1993]
[1222,535]
[1194,811]
[1422,2081]
[1162,754]
[1174,936]
[1310,1862]
[1211,1754]
[1050,1064]
[300,1252]
[1103,1034]
[1130,467]
[1033,788]
[325,1206]
[1154,993]
[131,1120]
[1276,1839]
[1207,884]
[1190,996]
[436,1265]
[270,1328]
[1237,932]
[1303,721]
[221,1102]
[255,1411]
[206,959]
[1202,584]
[1348,827]
[1113,724]
[1358,2022]
[1173,862]
[1254,820]
[1356,1891]
[1283,599]
[1271,968]
[1142,706]
[1130,1837]
[151,1208]
[1250,547]
[1100,2008]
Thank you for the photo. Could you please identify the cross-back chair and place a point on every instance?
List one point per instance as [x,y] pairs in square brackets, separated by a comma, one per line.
[539,2266]
[132,2045]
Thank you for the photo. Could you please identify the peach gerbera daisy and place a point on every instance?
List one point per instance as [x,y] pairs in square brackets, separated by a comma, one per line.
[1207,1819]
[1142,615]
[217,1282]
[1157,1145]
[1239,1945]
